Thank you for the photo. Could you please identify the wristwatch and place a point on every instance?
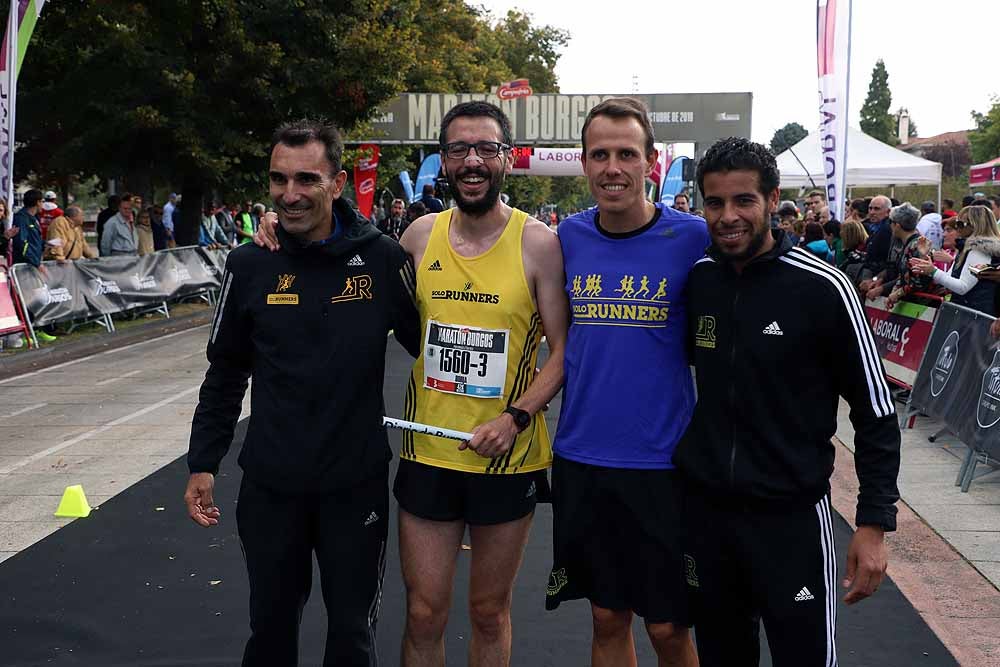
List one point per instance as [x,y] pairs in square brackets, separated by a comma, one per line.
[521,418]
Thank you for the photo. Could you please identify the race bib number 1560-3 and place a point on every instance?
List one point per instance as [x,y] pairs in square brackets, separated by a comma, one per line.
[459,359]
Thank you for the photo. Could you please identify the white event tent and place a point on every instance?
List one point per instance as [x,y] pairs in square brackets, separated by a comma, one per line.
[869,163]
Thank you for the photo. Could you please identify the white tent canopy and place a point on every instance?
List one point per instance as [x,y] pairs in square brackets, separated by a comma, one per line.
[869,162]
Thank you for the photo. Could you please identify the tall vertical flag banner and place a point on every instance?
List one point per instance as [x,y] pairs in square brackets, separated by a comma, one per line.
[364,178]
[21,22]
[833,61]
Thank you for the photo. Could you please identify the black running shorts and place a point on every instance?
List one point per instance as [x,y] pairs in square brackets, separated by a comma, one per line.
[479,499]
[617,540]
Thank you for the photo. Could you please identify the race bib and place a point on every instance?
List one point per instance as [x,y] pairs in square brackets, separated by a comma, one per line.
[465,360]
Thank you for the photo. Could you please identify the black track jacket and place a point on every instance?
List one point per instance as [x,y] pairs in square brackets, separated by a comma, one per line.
[309,324]
[774,348]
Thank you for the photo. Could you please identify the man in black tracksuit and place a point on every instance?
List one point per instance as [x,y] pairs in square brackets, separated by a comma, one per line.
[309,325]
[778,337]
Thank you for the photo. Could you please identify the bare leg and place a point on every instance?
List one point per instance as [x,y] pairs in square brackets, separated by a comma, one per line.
[613,645]
[672,644]
[496,557]
[427,553]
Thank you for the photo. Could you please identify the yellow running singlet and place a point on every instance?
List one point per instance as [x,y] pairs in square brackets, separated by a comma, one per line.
[480,329]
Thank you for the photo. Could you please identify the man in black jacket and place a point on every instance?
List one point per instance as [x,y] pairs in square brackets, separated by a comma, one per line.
[757,456]
[309,324]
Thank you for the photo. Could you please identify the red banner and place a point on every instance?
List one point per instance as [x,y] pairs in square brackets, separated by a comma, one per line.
[987,173]
[901,336]
[364,178]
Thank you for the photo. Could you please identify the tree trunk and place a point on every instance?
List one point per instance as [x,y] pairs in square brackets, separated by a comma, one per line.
[187,226]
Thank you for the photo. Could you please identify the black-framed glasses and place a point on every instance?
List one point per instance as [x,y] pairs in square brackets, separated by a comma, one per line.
[487,150]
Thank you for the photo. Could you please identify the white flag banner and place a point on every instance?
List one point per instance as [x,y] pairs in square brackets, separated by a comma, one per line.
[833,61]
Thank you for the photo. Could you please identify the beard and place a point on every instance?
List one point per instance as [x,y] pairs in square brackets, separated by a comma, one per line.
[483,204]
[757,241]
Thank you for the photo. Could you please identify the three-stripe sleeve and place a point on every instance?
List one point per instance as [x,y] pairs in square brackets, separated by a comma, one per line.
[406,319]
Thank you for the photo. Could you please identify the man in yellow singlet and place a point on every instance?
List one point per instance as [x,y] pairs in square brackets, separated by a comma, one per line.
[489,282]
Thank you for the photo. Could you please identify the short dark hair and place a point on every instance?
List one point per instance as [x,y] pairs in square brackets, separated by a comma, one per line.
[621,107]
[967,200]
[948,203]
[416,209]
[861,206]
[832,228]
[739,154]
[125,197]
[113,201]
[927,207]
[301,132]
[428,189]
[815,193]
[477,109]
[681,194]
[31,198]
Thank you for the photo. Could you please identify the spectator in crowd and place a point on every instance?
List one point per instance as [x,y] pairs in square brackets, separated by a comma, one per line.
[168,218]
[904,220]
[66,240]
[119,236]
[258,214]
[48,211]
[396,222]
[814,200]
[853,238]
[982,247]
[930,224]
[160,238]
[106,214]
[415,210]
[244,224]
[787,216]
[226,222]
[945,257]
[879,241]
[144,232]
[948,209]
[682,203]
[6,234]
[994,201]
[967,201]
[858,210]
[815,242]
[432,203]
[897,274]
[211,234]
[831,229]
[28,244]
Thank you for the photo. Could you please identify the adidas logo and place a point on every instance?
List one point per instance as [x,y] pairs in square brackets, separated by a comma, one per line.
[436,266]
[356,261]
[804,595]
[773,329]
[531,491]
[372,518]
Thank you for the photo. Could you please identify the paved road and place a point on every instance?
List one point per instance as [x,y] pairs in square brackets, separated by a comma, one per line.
[131,585]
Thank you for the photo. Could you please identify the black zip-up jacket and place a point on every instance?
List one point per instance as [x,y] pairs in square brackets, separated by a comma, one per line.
[774,349]
[309,324]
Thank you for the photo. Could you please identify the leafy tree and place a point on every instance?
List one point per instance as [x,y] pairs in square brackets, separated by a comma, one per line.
[876,120]
[789,135]
[985,139]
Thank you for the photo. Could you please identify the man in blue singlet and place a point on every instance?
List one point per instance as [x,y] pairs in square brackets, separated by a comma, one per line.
[627,400]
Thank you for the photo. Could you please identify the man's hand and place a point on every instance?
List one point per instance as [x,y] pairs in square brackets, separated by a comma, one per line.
[198,498]
[873,293]
[866,285]
[866,563]
[266,235]
[494,438]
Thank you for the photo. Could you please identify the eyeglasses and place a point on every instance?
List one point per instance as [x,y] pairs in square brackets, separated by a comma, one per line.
[487,150]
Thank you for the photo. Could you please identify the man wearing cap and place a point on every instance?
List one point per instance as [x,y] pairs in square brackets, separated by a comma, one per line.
[930,224]
[48,212]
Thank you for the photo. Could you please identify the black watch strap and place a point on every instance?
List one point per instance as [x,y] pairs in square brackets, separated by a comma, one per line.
[521,418]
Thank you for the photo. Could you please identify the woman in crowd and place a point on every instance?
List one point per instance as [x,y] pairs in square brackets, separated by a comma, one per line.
[815,242]
[945,257]
[977,226]
[853,239]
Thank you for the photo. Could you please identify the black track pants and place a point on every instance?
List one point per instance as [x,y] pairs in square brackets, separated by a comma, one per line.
[744,566]
[279,533]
